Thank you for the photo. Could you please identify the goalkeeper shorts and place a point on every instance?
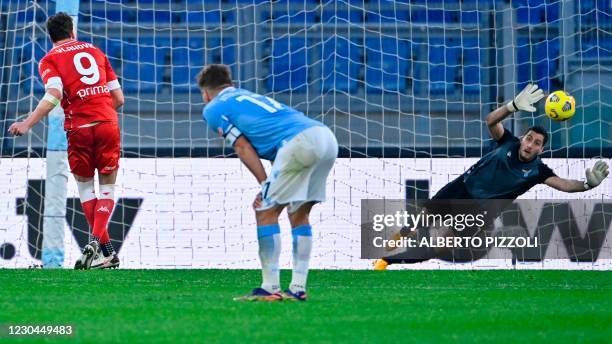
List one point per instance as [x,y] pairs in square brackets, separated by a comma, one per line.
[299,172]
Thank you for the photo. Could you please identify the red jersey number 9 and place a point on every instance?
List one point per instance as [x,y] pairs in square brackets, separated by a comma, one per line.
[90,75]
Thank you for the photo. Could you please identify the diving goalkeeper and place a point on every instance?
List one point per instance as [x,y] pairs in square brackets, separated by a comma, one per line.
[508,171]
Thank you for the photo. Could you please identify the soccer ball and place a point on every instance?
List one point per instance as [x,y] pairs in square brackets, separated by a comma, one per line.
[560,106]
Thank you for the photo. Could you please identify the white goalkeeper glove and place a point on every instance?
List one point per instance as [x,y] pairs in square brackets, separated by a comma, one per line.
[524,101]
[595,176]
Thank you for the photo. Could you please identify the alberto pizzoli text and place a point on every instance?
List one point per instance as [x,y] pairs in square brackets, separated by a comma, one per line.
[457,242]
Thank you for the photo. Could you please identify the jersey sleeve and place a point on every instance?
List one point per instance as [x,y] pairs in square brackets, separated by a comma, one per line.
[545,173]
[506,137]
[218,121]
[50,75]
[111,78]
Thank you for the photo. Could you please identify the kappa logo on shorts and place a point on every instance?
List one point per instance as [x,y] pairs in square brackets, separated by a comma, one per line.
[109,168]
[103,209]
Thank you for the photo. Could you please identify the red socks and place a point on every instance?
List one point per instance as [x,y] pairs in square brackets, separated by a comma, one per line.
[102,214]
[89,209]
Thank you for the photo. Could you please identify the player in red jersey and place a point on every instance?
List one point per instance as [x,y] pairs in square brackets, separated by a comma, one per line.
[80,76]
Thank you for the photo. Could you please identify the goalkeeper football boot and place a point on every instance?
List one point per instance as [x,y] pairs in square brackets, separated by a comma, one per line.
[288,295]
[380,264]
[259,294]
[89,253]
[101,262]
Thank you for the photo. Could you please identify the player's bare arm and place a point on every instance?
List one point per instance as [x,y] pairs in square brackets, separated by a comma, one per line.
[522,102]
[250,159]
[494,119]
[118,99]
[594,177]
[49,101]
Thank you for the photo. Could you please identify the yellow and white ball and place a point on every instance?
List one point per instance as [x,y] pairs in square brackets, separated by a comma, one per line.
[560,106]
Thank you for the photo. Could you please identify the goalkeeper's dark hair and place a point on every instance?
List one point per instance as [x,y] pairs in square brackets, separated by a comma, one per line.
[215,76]
[540,130]
[59,26]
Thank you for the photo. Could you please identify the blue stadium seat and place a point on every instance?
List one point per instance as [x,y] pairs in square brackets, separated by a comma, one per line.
[553,11]
[530,11]
[160,40]
[418,15]
[152,54]
[188,55]
[470,17]
[441,16]
[547,62]
[111,47]
[341,61]
[443,68]
[300,17]
[296,2]
[109,15]
[471,66]
[229,16]
[24,16]
[289,65]
[211,2]
[435,16]
[141,77]
[198,52]
[342,16]
[388,16]
[523,61]
[255,2]
[221,51]
[188,58]
[387,64]
[184,78]
[212,17]
[30,80]
[42,46]
[157,16]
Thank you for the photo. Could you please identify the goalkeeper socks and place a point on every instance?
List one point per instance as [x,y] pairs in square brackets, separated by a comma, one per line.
[104,209]
[269,253]
[87,194]
[302,245]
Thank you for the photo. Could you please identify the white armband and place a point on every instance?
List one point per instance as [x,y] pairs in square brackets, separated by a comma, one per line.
[55,82]
[113,85]
[51,99]
[232,134]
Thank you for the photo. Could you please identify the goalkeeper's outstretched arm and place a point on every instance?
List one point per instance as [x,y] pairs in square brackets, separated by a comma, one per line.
[594,177]
[523,101]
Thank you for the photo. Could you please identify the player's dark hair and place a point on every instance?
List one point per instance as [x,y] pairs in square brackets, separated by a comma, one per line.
[214,76]
[59,26]
[540,130]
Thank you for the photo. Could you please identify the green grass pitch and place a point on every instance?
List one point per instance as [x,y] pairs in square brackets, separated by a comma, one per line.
[345,306]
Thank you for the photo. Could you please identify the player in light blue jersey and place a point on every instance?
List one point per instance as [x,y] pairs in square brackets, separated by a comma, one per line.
[302,152]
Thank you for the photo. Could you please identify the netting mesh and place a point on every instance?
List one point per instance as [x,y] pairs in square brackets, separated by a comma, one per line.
[404,85]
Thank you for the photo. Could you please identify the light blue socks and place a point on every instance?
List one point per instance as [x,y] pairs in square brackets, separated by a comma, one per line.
[302,245]
[269,253]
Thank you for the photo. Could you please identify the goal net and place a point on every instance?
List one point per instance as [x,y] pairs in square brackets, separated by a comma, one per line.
[404,85]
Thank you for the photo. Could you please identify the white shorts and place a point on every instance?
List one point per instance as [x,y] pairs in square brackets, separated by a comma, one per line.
[300,170]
